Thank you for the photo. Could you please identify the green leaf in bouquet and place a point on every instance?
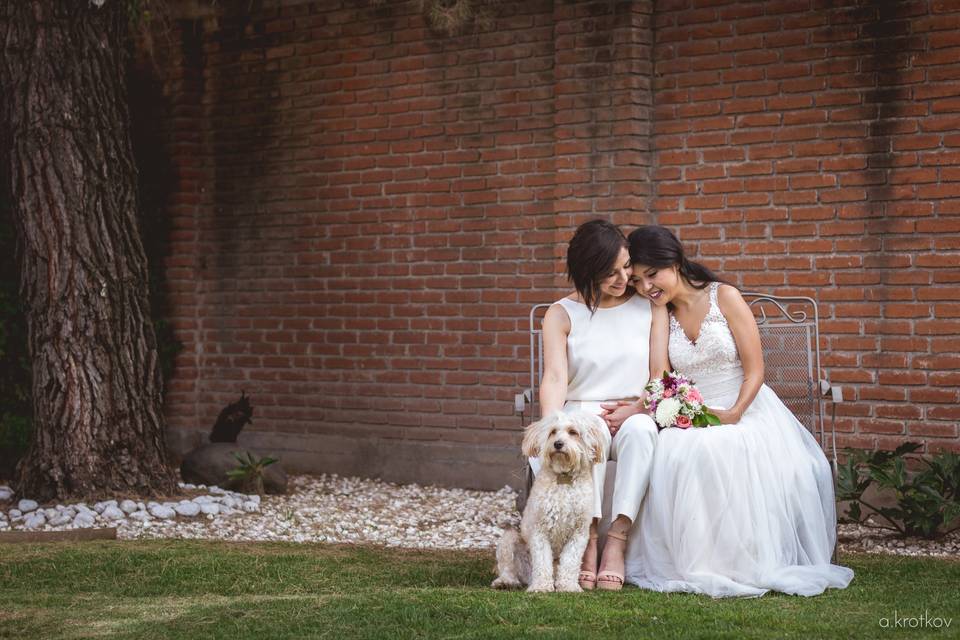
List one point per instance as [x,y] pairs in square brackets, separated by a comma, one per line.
[711,419]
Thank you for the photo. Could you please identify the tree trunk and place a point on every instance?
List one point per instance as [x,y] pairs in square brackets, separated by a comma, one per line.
[98,424]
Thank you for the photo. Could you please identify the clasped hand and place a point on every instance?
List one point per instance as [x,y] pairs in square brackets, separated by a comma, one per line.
[616,413]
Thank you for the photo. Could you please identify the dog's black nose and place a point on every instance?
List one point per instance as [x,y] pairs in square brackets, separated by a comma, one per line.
[558,445]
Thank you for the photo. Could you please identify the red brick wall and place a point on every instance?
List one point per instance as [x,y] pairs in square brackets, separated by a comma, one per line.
[813,148]
[366,211]
[363,210]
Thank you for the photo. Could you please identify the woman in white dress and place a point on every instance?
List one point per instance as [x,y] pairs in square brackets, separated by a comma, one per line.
[744,507]
[596,358]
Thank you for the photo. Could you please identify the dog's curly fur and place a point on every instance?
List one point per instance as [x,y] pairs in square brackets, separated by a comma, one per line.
[556,520]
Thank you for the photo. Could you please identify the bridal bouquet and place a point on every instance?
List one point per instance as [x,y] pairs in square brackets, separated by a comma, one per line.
[675,402]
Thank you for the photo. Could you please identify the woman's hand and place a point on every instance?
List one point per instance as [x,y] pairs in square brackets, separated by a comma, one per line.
[727,416]
[616,413]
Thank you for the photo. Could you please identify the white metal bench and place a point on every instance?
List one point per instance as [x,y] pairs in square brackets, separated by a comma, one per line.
[790,337]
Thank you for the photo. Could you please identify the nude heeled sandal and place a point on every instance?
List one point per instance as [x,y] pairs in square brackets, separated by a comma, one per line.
[611,580]
[588,579]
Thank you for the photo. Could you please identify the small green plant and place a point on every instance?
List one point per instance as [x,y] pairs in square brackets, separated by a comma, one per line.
[248,476]
[928,500]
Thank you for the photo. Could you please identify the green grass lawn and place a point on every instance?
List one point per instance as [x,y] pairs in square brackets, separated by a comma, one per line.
[179,589]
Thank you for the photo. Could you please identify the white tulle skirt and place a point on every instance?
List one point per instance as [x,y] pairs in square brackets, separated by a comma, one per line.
[738,510]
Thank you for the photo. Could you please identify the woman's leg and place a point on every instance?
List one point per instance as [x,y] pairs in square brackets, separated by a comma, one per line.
[633,449]
[589,564]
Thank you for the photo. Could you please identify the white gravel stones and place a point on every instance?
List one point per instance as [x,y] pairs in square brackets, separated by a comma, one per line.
[34,521]
[187,508]
[349,510]
[26,506]
[113,513]
[5,493]
[335,509]
[855,538]
[101,506]
[83,520]
[59,520]
[161,511]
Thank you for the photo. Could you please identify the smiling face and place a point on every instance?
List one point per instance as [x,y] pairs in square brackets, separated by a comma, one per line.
[658,284]
[613,283]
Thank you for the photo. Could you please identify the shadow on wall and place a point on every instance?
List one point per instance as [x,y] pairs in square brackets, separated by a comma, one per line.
[243,102]
[890,58]
[148,106]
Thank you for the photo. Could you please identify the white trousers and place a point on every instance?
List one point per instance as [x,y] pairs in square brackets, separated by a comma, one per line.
[632,449]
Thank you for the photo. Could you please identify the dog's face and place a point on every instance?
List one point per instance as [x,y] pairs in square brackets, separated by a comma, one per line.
[565,442]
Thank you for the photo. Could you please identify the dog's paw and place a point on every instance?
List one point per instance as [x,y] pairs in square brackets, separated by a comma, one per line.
[505,583]
[571,587]
[540,588]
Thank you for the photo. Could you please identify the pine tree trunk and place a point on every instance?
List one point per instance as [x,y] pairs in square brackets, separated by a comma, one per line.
[98,424]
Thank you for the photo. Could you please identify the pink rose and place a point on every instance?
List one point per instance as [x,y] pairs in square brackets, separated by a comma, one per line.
[683,422]
[695,396]
[668,393]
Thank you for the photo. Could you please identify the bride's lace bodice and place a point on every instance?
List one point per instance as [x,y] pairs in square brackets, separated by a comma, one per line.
[713,357]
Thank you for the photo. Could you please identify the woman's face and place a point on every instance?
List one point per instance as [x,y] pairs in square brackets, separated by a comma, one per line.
[614,283]
[657,284]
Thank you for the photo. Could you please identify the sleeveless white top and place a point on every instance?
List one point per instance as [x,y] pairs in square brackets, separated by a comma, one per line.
[608,353]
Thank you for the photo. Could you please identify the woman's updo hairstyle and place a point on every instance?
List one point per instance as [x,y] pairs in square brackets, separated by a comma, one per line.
[591,255]
[656,246]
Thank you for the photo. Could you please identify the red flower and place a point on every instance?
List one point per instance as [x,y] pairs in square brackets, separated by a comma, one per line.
[683,422]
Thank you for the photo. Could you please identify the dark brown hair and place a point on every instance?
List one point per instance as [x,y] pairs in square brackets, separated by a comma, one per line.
[656,246]
[591,255]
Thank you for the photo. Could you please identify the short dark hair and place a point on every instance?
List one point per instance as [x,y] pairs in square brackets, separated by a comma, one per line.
[591,254]
[658,247]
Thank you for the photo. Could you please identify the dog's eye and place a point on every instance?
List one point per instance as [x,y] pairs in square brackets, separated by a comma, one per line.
[553,432]
[573,432]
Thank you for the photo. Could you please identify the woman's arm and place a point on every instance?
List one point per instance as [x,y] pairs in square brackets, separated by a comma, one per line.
[553,385]
[659,342]
[743,326]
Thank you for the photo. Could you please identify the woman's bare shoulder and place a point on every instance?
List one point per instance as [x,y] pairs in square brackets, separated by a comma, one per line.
[557,317]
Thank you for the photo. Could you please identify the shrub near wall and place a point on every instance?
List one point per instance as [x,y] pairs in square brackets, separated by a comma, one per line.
[814,148]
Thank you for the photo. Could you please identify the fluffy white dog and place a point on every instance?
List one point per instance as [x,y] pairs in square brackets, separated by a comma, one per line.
[556,520]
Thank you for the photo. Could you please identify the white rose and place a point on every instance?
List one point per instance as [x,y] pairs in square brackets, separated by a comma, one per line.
[667,412]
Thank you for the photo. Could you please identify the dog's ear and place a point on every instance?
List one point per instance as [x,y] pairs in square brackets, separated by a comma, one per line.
[536,433]
[591,429]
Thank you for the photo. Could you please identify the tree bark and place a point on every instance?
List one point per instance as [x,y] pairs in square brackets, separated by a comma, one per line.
[98,422]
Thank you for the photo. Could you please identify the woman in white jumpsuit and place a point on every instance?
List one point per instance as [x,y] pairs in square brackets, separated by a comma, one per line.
[597,358]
